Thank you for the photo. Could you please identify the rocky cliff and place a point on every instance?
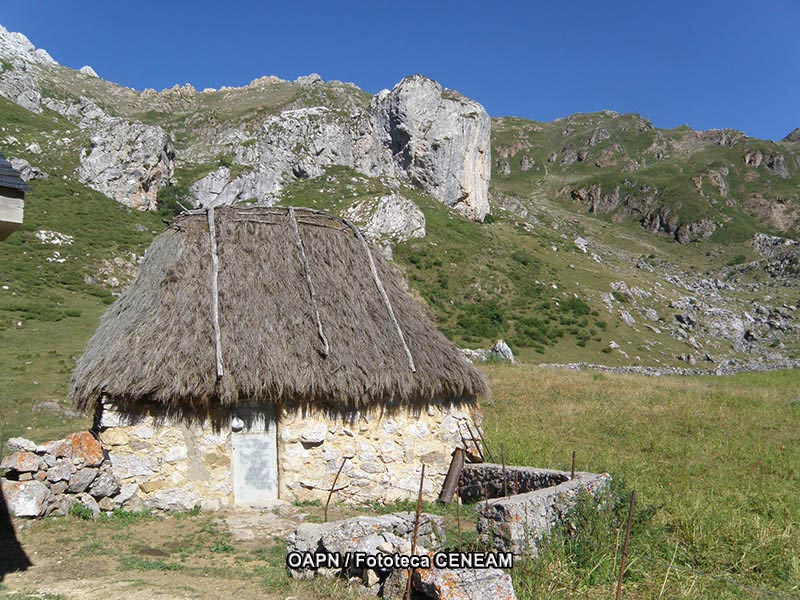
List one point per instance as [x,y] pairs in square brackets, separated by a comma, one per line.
[416,133]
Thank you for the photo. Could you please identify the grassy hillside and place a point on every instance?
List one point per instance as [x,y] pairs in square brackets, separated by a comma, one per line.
[715,463]
[52,295]
[679,176]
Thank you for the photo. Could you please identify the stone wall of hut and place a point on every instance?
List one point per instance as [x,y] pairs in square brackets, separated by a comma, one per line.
[179,464]
[384,451]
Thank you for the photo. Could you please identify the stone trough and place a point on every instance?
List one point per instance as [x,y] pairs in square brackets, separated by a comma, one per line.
[538,500]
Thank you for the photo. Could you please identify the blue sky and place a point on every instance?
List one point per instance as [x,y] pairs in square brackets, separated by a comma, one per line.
[708,64]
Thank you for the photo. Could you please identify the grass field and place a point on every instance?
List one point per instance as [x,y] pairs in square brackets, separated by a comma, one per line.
[715,462]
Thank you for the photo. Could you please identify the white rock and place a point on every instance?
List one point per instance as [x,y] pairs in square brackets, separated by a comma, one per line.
[53,237]
[125,466]
[16,46]
[87,70]
[25,498]
[18,444]
[393,217]
[315,434]
[173,499]
[26,170]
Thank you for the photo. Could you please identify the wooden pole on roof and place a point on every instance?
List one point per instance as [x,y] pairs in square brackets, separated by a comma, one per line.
[307,274]
[212,234]
[384,296]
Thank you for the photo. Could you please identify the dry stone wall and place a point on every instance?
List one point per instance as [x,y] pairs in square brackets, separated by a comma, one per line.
[170,465]
[384,452]
[520,522]
[51,478]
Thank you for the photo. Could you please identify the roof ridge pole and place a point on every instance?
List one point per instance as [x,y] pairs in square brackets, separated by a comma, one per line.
[307,273]
[212,234]
[387,303]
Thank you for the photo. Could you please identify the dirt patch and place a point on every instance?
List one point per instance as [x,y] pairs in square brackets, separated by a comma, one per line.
[236,554]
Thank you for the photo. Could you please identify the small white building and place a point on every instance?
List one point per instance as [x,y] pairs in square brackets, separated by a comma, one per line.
[12,198]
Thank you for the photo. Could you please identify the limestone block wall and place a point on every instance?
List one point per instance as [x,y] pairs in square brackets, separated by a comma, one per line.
[168,465]
[384,450]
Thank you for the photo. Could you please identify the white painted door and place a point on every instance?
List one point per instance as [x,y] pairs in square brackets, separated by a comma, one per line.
[255,458]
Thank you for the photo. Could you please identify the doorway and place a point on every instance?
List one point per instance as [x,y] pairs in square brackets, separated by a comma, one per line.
[254,451]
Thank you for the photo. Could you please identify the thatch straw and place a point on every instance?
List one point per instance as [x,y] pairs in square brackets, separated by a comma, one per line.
[156,343]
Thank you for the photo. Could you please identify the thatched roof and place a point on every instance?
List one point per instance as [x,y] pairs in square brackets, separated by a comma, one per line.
[157,342]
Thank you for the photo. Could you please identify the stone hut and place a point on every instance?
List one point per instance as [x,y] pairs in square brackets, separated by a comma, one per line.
[12,198]
[261,350]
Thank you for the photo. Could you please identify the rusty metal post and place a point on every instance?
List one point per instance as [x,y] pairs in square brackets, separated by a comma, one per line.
[333,488]
[625,545]
[458,517]
[573,465]
[505,481]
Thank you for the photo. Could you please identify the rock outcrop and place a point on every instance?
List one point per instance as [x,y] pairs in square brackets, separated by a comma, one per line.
[390,218]
[19,56]
[219,189]
[439,140]
[17,85]
[16,47]
[794,136]
[417,133]
[128,161]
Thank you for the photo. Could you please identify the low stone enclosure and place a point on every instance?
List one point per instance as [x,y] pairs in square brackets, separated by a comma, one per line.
[517,509]
[521,505]
[51,478]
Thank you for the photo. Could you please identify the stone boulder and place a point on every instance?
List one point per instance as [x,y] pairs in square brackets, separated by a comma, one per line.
[457,584]
[88,70]
[501,351]
[22,462]
[25,498]
[26,170]
[345,535]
